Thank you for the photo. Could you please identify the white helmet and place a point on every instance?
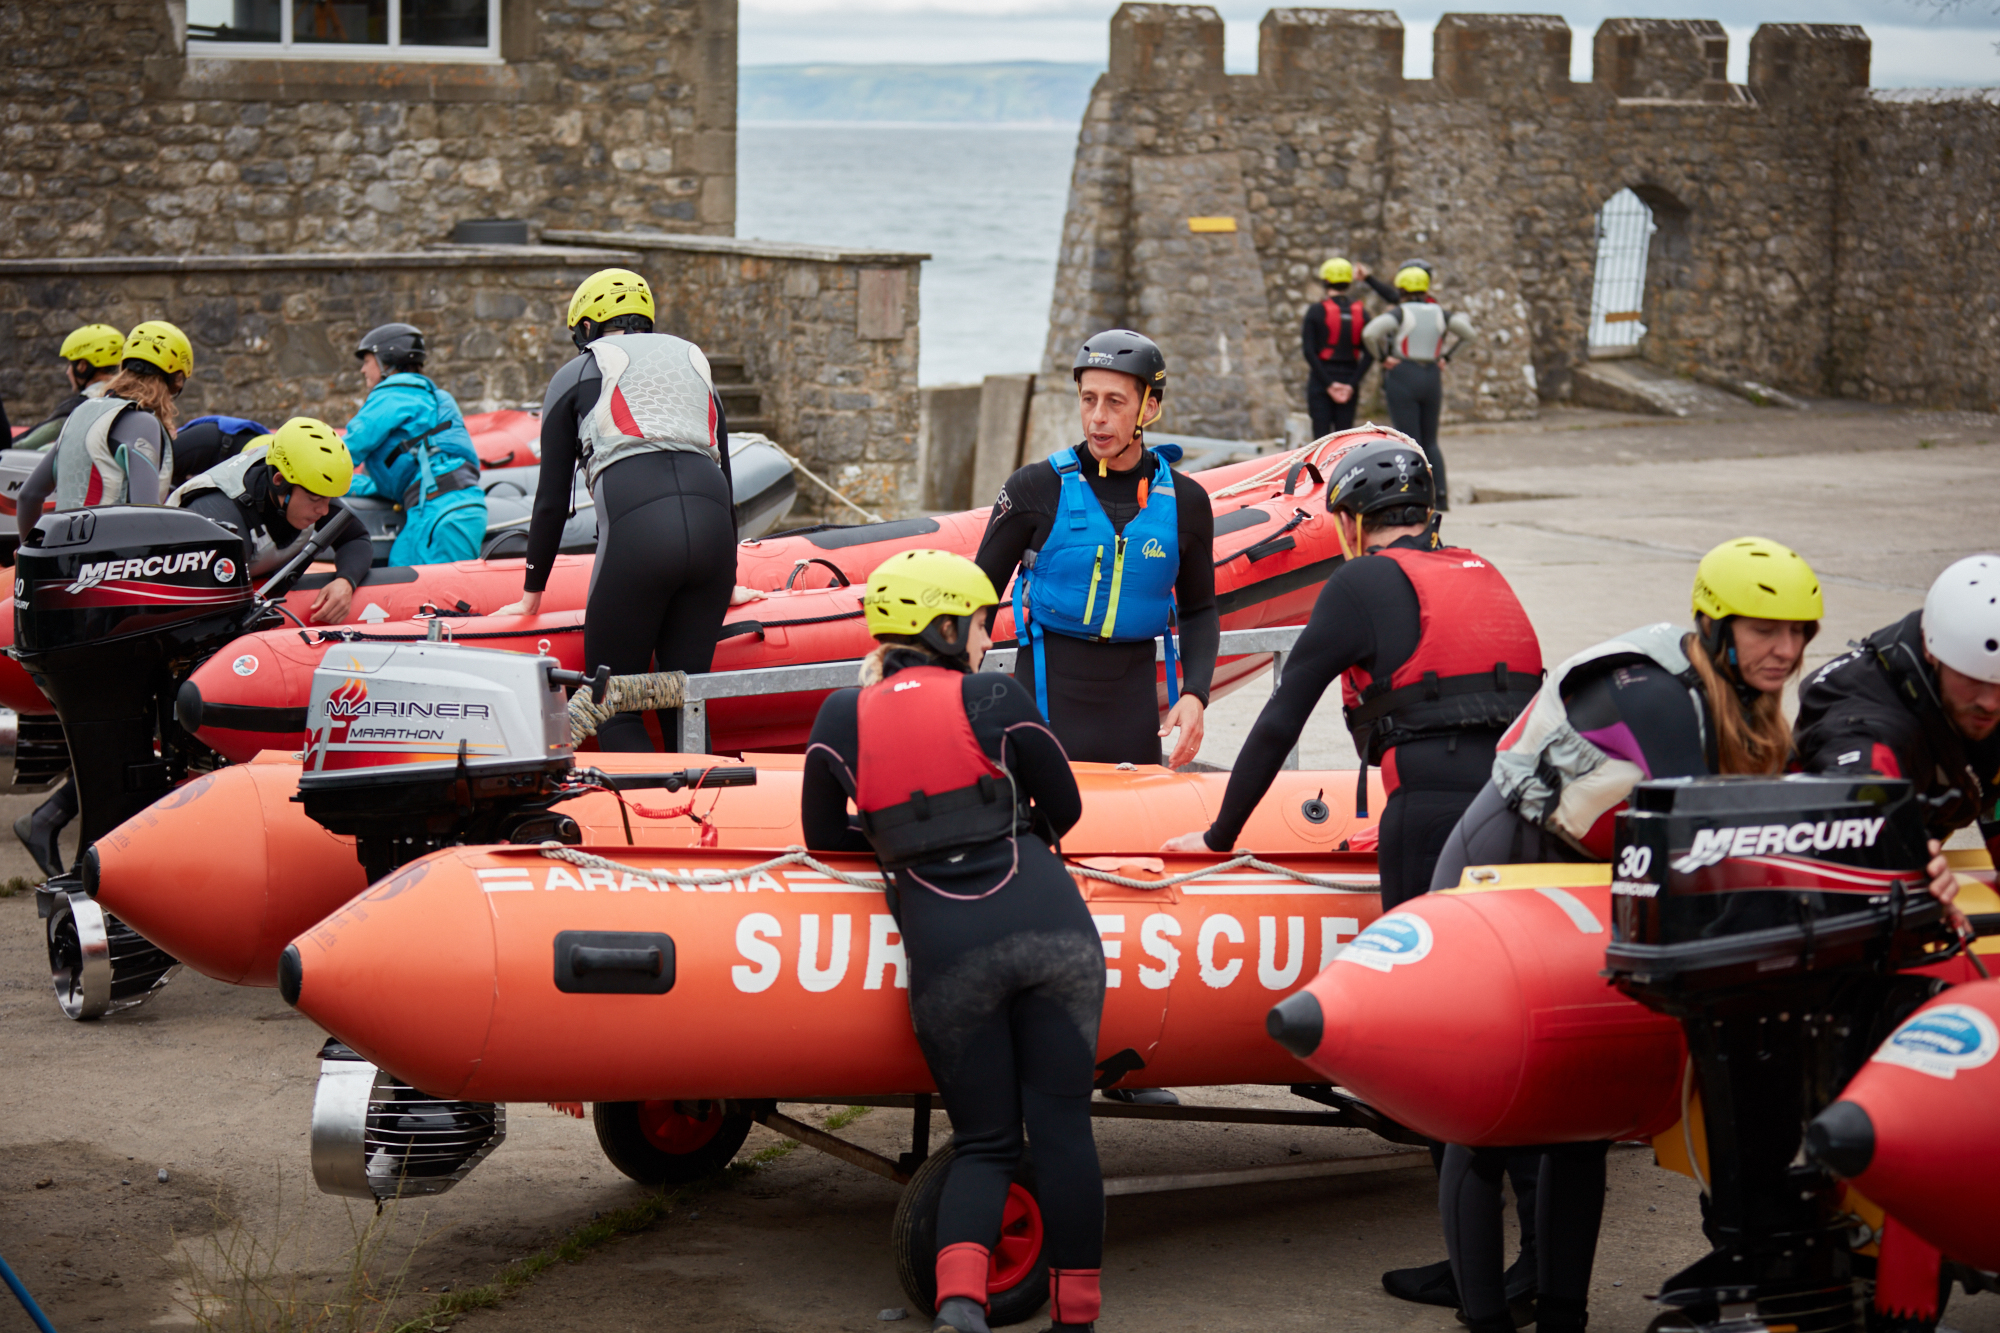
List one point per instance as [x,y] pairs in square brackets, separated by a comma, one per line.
[1962,618]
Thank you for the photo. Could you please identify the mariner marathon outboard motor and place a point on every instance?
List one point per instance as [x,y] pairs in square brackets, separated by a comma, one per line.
[412,748]
[1772,918]
[113,607]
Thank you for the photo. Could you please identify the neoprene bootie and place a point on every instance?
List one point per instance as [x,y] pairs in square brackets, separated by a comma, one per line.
[1427,1284]
[960,1314]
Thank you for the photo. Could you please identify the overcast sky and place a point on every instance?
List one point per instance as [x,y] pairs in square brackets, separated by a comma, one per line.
[1915,46]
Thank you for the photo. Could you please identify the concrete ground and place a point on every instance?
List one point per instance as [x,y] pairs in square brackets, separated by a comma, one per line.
[1596,518]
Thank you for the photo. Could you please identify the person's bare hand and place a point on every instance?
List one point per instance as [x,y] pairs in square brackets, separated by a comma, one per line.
[529,605]
[1187,842]
[1391,362]
[742,596]
[1339,392]
[1944,887]
[1361,272]
[1188,717]
[333,602]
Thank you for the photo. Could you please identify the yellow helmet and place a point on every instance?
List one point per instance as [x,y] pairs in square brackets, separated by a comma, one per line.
[307,453]
[1757,578]
[159,343]
[911,589]
[1413,279]
[608,293]
[99,344]
[1336,270]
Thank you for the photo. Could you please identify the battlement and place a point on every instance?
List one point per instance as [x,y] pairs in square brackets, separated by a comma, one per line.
[1485,57]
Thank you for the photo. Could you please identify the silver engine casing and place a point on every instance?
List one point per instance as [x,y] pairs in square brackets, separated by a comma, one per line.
[379,1139]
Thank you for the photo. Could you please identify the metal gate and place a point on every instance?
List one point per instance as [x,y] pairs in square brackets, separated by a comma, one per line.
[1624,227]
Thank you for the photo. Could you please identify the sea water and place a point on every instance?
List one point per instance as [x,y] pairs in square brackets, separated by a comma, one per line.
[986,202]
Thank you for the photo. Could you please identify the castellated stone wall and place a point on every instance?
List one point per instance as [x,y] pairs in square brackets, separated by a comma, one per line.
[607,114]
[1812,233]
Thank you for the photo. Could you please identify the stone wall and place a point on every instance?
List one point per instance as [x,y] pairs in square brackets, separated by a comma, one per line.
[601,114]
[829,337]
[1495,170]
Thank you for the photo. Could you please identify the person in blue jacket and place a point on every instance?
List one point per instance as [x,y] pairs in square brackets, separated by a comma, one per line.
[410,437]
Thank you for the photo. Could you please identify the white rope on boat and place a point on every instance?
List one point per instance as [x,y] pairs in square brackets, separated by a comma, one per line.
[1315,453]
[799,856]
[816,480]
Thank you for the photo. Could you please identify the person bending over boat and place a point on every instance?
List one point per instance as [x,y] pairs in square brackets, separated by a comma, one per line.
[116,448]
[1436,658]
[637,411]
[90,356]
[1920,699]
[1113,546]
[962,791]
[275,491]
[410,438]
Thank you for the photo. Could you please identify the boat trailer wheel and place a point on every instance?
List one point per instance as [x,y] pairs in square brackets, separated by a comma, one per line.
[665,1143]
[1017,1283]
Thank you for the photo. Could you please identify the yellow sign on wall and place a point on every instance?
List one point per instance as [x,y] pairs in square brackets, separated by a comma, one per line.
[1211,224]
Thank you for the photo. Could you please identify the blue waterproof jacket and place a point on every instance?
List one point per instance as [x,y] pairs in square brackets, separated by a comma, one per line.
[397,432]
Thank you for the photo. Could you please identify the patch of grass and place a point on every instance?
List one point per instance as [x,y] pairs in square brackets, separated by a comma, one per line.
[249,1285]
[16,884]
[1926,444]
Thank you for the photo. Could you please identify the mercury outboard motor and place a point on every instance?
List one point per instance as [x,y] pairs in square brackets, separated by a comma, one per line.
[1771,917]
[111,607]
[413,747]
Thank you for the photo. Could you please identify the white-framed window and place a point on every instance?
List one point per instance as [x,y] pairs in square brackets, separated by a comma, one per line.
[416,30]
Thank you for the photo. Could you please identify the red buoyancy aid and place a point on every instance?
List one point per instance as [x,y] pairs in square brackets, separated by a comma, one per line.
[1357,316]
[1477,663]
[924,786]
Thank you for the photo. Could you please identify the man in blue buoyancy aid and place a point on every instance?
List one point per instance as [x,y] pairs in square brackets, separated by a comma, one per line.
[1115,551]
[411,438]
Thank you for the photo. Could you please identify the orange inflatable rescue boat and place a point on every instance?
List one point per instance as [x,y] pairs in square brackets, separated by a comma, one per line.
[1479,1016]
[1916,1129]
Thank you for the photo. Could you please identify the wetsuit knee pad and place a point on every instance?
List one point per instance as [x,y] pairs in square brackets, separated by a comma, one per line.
[1075,1296]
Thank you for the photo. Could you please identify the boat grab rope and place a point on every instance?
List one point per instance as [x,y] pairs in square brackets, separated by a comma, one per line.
[319,638]
[799,856]
[625,694]
[816,480]
[1316,453]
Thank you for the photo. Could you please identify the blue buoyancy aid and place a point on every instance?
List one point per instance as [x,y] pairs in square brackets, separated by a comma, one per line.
[1089,581]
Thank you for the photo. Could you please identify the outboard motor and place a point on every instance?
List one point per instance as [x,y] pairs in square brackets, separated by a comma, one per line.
[1771,917]
[111,607]
[413,747]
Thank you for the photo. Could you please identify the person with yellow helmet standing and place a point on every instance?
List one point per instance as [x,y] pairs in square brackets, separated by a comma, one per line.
[1410,341]
[410,438]
[277,490]
[90,357]
[1337,359]
[637,411]
[117,448]
[1006,971]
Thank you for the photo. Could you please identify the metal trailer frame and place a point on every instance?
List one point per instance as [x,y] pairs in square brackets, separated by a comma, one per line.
[1277,640]
[1345,1112]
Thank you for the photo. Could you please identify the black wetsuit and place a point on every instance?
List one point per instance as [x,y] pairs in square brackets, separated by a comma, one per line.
[1635,711]
[1368,616]
[1103,699]
[202,444]
[1006,974]
[1855,718]
[1348,365]
[666,549]
[352,556]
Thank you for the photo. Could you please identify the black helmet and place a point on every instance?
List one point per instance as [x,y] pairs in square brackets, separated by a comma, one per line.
[1386,478]
[1128,353]
[396,346]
